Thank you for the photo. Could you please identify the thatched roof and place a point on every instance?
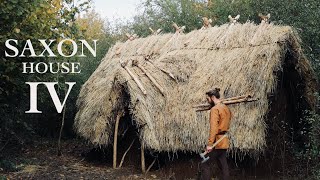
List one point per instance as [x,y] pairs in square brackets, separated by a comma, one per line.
[240,59]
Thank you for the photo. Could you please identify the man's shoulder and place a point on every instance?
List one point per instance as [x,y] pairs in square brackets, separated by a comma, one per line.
[214,108]
[219,106]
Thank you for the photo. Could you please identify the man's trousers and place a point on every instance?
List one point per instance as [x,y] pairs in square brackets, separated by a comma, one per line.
[219,156]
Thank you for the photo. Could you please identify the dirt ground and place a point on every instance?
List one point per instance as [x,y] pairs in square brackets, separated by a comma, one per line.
[40,161]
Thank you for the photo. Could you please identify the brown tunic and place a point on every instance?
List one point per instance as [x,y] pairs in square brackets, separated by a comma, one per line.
[220,117]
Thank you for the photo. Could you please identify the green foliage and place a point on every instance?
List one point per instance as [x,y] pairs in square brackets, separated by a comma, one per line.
[91,27]
[8,166]
[313,147]
[161,14]
[316,172]
[22,20]
[311,150]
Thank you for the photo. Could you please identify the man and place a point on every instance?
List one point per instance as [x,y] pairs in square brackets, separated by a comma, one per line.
[220,116]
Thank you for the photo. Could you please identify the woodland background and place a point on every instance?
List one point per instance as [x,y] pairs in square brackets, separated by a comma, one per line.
[60,19]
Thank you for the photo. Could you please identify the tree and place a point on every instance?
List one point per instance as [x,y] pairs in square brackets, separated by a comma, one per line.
[22,20]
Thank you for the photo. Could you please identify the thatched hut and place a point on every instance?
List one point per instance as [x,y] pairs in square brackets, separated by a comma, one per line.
[241,59]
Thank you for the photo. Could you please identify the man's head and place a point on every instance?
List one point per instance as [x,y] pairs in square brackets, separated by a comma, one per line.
[213,96]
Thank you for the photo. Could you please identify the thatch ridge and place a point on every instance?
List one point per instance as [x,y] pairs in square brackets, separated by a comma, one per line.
[240,59]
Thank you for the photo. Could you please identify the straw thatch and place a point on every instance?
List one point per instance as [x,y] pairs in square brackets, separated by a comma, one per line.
[239,58]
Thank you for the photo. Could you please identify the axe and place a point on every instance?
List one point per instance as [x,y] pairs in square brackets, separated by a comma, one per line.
[204,156]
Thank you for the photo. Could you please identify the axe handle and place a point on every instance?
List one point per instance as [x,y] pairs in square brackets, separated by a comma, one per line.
[217,142]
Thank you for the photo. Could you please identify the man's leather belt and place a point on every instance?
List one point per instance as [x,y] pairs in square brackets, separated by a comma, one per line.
[222,133]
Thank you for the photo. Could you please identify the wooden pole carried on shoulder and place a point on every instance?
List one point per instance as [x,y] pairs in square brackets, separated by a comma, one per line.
[228,101]
[224,100]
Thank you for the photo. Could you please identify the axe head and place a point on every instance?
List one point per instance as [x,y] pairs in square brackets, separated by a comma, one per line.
[204,158]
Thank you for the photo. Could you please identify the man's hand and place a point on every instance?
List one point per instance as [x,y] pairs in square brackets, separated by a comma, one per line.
[209,149]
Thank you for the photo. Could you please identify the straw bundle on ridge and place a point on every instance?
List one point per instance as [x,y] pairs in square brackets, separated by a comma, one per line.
[185,66]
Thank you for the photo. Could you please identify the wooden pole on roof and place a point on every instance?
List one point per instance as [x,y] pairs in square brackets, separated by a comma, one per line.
[158,31]
[115,139]
[177,28]
[152,31]
[147,58]
[167,72]
[136,63]
[131,37]
[124,65]
[206,23]
[143,163]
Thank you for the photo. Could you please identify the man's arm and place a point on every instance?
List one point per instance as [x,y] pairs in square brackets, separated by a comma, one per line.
[214,118]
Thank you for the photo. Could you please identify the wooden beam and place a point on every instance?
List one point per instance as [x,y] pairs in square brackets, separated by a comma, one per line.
[237,97]
[166,72]
[135,78]
[131,37]
[224,100]
[206,108]
[264,18]
[239,101]
[151,165]
[152,31]
[115,139]
[125,153]
[155,83]
[178,29]
[158,31]
[233,20]
[206,23]
[143,163]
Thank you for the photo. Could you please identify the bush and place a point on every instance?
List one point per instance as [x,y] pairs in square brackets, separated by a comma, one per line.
[311,150]
[8,166]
